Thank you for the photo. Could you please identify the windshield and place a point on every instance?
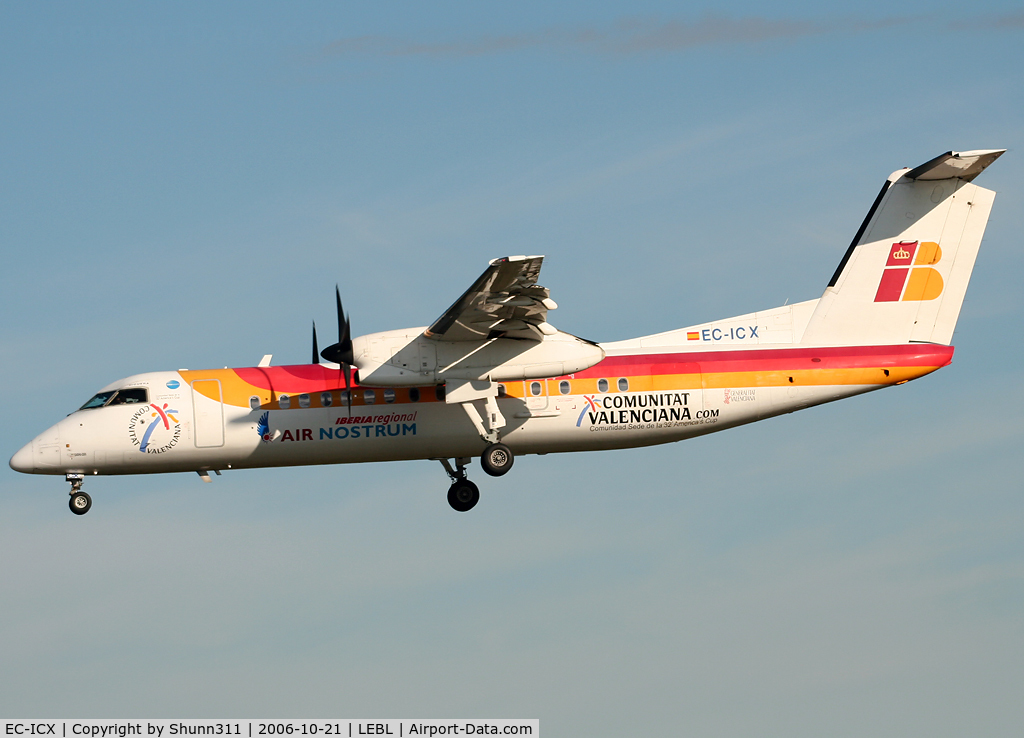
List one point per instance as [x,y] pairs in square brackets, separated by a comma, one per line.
[98,400]
[131,396]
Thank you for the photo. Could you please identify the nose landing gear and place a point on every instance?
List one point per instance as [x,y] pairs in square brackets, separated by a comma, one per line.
[80,502]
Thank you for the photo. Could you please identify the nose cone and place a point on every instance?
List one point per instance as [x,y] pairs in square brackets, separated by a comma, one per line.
[22,461]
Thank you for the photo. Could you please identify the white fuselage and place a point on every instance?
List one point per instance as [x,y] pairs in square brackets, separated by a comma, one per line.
[287,416]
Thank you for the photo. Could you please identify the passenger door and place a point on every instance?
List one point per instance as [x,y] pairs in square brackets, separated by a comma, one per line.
[208,413]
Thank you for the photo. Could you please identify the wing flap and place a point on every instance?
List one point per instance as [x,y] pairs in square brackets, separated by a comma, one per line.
[505,300]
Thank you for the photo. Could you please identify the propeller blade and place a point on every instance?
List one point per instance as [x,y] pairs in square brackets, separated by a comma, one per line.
[341,316]
[316,352]
[340,352]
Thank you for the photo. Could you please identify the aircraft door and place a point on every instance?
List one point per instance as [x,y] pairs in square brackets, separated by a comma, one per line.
[536,393]
[207,413]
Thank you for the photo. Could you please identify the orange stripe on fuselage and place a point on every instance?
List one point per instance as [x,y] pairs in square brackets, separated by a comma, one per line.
[869,365]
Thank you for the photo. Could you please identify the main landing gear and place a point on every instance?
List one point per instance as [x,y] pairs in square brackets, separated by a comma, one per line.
[80,502]
[497,459]
[463,495]
[479,398]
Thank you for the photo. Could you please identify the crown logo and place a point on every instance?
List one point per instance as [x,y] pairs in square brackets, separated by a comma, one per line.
[903,281]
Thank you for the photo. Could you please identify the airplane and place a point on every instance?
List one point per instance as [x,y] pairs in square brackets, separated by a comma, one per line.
[492,378]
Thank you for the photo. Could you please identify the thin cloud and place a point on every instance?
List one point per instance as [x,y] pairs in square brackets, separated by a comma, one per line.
[1008,22]
[627,36]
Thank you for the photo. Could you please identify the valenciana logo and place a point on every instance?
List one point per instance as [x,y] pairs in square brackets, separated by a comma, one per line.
[629,410]
[913,259]
[591,406]
[154,428]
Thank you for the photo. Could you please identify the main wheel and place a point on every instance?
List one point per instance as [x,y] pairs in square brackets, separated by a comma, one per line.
[497,459]
[463,495]
[80,503]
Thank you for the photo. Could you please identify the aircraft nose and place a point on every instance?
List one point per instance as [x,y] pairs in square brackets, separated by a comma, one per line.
[22,461]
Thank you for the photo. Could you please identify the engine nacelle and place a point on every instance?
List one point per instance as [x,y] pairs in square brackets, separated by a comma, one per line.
[407,358]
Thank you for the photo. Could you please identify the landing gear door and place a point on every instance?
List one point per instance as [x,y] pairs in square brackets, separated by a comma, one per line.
[208,413]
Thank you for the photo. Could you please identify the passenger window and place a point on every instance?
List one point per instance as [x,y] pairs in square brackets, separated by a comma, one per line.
[502,392]
[439,392]
[389,395]
[254,402]
[303,400]
[132,396]
[284,401]
[602,385]
[345,398]
[97,400]
[535,389]
[414,394]
[563,387]
[326,399]
[623,384]
[369,397]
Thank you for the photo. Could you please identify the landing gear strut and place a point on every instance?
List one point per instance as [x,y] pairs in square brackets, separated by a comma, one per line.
[463,494]
[80,502]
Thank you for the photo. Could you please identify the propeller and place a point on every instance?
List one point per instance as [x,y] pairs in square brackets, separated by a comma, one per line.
[341,352]
[316,352]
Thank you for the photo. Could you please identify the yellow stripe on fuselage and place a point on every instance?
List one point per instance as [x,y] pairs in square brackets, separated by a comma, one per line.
[237,392]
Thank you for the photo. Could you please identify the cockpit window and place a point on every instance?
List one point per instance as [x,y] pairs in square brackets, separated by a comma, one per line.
[98,400]
[131,396]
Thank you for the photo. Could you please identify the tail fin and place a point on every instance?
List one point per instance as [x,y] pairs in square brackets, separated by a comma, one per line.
[904,277]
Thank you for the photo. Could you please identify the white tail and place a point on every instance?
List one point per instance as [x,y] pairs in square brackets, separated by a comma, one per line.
[904,277]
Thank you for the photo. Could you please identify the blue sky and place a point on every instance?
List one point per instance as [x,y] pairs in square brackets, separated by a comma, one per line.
[182,186]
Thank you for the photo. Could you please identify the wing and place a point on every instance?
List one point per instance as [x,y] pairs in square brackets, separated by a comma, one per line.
[505,301]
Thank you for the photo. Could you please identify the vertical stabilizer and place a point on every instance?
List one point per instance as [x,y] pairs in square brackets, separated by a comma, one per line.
[905,275]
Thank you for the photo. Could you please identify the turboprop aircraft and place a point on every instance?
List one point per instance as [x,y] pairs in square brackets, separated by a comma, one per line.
[493,378]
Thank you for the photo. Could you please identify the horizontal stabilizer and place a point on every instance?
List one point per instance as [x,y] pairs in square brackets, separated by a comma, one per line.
[965,165]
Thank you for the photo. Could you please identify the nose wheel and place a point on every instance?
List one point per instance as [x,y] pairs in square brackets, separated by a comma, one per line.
[80,501]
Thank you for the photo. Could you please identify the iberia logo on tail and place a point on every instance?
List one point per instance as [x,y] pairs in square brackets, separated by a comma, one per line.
[910,259]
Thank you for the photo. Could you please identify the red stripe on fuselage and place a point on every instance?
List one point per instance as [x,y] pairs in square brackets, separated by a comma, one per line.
[752,360]
[316,378]
[293,379]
